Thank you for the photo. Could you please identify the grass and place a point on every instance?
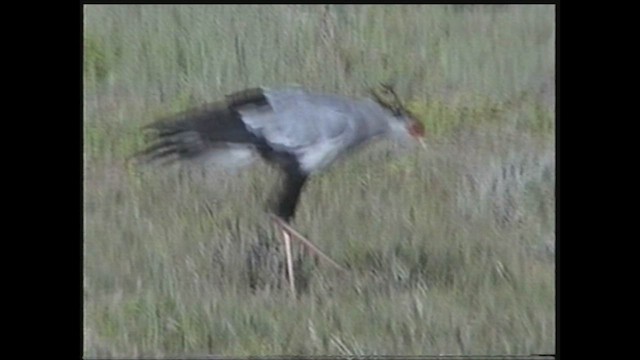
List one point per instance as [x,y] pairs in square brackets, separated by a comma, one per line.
[450,250]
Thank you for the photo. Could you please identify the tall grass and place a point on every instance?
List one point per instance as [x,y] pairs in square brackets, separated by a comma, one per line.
[450,250]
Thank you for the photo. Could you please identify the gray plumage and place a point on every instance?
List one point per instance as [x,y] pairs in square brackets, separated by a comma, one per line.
[298,130]
[316,127]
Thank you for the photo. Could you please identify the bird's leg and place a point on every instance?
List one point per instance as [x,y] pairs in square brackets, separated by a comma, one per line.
[285,210]
[294,182]
[308,244]
[287,251]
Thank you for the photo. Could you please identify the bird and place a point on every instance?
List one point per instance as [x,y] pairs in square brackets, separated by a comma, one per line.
[299,131]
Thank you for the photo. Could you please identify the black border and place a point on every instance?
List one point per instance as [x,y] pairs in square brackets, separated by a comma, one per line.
[78,141]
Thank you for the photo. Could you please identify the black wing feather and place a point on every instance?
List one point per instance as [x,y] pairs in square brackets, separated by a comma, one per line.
[189,134]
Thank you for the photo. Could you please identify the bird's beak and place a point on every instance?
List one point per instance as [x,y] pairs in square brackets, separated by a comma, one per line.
[422,143]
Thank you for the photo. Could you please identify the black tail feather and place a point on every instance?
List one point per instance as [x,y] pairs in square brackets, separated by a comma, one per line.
[190,134]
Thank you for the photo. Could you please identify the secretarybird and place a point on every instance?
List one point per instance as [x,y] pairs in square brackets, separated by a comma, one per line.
[299,131]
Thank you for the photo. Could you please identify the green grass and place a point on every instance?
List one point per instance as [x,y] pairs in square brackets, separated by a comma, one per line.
[449,250]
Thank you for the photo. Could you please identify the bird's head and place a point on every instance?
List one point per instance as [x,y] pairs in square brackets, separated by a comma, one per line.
[404,122]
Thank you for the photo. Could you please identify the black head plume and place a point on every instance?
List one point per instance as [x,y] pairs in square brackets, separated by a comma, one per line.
[395,105]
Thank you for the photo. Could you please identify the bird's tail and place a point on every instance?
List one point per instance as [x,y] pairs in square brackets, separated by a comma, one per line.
[213,132]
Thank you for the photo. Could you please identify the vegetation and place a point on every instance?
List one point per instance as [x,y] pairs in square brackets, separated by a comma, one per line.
[450,250]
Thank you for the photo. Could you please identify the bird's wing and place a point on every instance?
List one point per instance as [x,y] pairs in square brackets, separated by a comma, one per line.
[314,127]
[211,132]
[297,119]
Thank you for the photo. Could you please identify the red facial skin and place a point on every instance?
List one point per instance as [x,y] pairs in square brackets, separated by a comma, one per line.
[416,129]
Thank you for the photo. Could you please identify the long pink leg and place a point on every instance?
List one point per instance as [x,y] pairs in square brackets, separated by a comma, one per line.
[286,228]
[287,251]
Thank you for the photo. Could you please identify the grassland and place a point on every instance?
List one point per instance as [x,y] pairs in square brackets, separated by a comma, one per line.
[450,250]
